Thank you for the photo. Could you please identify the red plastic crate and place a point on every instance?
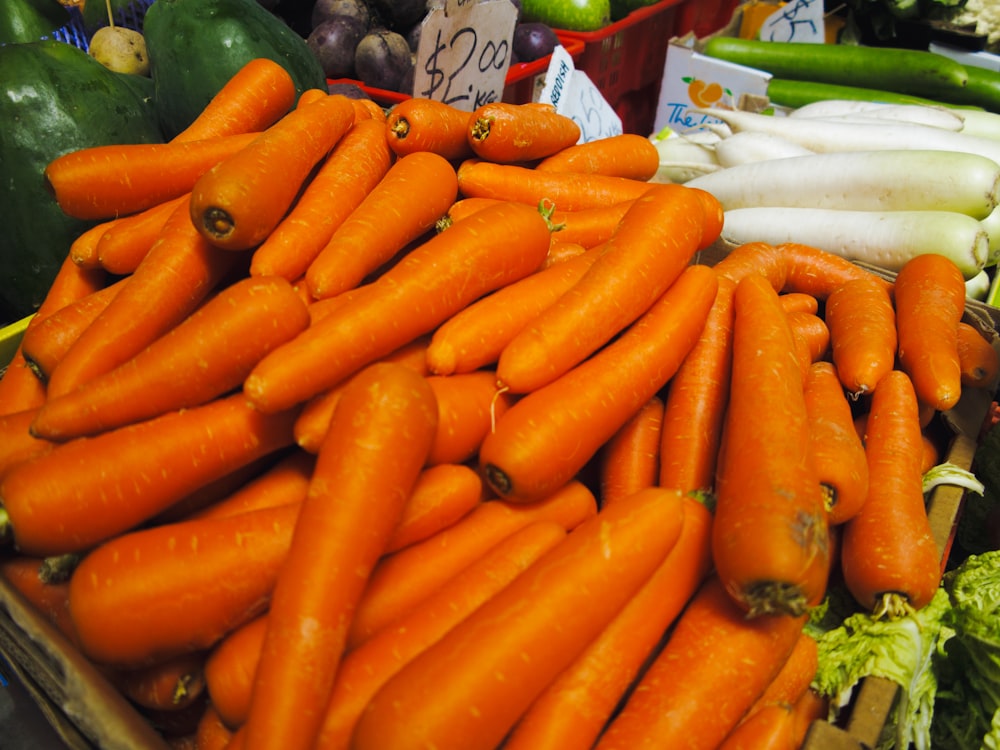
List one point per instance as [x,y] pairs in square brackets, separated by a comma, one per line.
[704,17]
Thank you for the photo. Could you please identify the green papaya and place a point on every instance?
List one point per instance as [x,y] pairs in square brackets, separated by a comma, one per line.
[54,98]
[196,46]
[30,20]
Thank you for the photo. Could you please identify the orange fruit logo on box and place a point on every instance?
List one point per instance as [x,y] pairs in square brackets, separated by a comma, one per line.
[704,94]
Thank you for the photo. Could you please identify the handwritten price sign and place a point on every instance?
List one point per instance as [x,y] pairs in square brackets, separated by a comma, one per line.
[464,52]
[573,94]
[797,21]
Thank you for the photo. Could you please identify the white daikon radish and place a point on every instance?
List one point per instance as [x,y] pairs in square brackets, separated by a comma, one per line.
[992,226]
[885,180]
[980,123]
[834,108]
[749,147]
[978,286]
[684,156]
[918,114]
[883,238]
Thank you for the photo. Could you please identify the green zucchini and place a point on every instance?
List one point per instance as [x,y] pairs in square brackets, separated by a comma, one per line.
[983,89]
[793,94]
[907,71]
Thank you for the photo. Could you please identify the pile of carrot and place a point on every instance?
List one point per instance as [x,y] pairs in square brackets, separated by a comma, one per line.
[386,430]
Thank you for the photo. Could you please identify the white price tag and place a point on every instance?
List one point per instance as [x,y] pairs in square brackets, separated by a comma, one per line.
[797,21]
[464,52]
[573,94]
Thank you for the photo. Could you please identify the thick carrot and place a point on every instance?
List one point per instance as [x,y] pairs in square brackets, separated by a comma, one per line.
[286,481]
[811,334]
[979,360]
[888,556]
[713,650]
[17,444]
[168,685]
[837,451]
[630,460]
[479,178]
[389,218]
[365,669]
[378,442]
[237,203]
[501,657]
[205,356]
[50,600]
[230,667]
[257,96]
[758,258]
[772,727]
[417,124]
[171,282]
[799,302]
[817,272]
[433,282]
[123,244]
[507,133]
[547,436]
[862,323]
[100,182]
[769,536]
[406,577]
[150,594]
[474,337]
[575,707]
[696,400]
[352,169]
[87,490]
[588,226]
[442,495]
[468,407]
[625,155]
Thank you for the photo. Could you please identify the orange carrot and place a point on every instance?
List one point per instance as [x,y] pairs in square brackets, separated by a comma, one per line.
[352,169]
[311,95]
[575,707]
[83,249]
[817,272]
[506,133]
[168,685]
[714,649]
[979,361]
[238,202]
[468,407]
[758,258]
[464,207]
[205,356]
[87,490]
[810,707]
[17,443]
[442,495]
[433,282]
[368,109]
[794,677]
[406,577]
[211,732]
[862,323]
[126,241]
[799,302]
[49,600]
[561,250]
[837,451]
[286,481]
[811,334]
[630,460]
[547,436]
[772,727]
[502,656]
[389,218]
[769,537]
[100,182]
[588,226]
[418,124]
[378,441]
[625,155]
[230,667]
[888,556]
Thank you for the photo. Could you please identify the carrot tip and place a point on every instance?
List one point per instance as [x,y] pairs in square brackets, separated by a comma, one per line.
[498,480]
[892,605]
[58,568]
[6,529]
[774,598]
[218,223]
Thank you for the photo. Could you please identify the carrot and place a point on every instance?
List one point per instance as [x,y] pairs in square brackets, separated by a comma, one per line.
[168,685]
[655,241]
[311,95]
[123,244]
[17,443]
[625,155]
[468,407]
[101,182]
[20,388]
[506,133]
[474,337]
[588,226]
[348,174]
[758,258]
[238,202]
[561,250]
[772,727]
[714,649]
[862,323]
[630,460]
[368,109]
[464,207]
[695,402]
[794,677]
[387,220]
[365,669]
[442,495]
[503,655]
[49,600]
[799,302]
[84,491]
[817,272]
[415,125]
[83,249]
[547,436]
[286,481]
[253,99]
[837,451]
[211,732]
[433,282]
[205,356]
[378,441]
[769,536]
[479,178]
[230,667]
[574,708]
[150,594]
[811,334]
[979,361]
[810,707]
[889,559]
[406,577]
[930,453]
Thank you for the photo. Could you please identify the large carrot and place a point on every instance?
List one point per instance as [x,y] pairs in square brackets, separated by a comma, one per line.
[550,434]
[238,202]
[150,594]
[49,599]
[655,240]
[506,133]
[468,407]
[625,155]
[123,244]
[417,124]
[713,650]
[17,444]
[588,226]
[630,460]
[575,707]
[501,657]
[769,537]
[442,495]
[758,258]
[378,442]
[230,667]
[862,323]
[430,284]
[106,181]
[817,272]
[89,489]
[389,218]
[979,360]
[888,555]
